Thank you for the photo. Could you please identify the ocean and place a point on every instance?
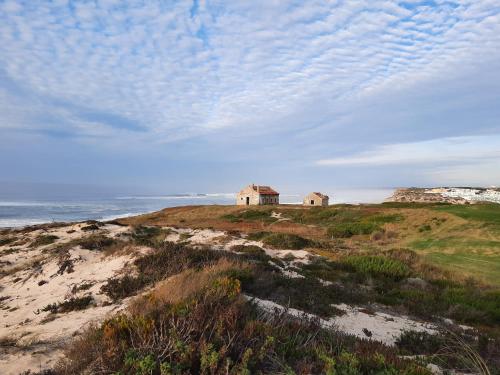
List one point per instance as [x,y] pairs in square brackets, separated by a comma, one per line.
[16,212]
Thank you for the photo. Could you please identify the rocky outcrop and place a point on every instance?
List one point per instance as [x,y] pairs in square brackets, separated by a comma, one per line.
[453,195]
[419,195]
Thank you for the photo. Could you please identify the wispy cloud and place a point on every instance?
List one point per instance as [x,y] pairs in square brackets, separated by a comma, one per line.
[357,83]
[181,68]
[444,151]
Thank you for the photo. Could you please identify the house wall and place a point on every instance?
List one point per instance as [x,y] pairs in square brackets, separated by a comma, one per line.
[317,200]
[255,198]
[247,192]
[269,199]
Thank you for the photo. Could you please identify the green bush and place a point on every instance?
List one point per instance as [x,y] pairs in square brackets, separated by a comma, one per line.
[346,230]
[286,241]
[90,227]
[250,215]
[257,236]
[73,304]
[95,242]
[6,240]
[44,239]
[167,260]
[149,236]
[418,343]
[377,266]
[251,252]
[121,287]
[382,219]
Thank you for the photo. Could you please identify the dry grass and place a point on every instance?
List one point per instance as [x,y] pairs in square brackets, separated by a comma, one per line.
[184,285]
[198,217]
[449,240]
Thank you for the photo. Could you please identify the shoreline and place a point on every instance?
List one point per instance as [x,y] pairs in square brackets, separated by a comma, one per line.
[15,214]
[132,215]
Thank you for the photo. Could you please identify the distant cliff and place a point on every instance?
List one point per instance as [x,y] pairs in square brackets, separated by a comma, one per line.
[455,195]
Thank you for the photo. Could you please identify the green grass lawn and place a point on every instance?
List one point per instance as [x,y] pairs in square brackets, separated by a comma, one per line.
[486,213]
[486,267]
[456,244]
[478,256]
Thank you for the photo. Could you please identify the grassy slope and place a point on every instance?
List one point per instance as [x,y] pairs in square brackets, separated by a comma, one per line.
[465,239]
[195,319]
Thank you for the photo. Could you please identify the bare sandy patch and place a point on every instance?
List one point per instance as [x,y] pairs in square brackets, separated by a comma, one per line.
[377,326]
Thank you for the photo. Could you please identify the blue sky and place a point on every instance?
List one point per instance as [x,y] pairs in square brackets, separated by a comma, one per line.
[211,95]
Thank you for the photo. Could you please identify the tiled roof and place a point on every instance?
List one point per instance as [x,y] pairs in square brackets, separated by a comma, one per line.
[264,190]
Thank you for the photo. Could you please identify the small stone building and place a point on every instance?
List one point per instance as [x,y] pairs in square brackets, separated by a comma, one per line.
[257,195]
[316,199]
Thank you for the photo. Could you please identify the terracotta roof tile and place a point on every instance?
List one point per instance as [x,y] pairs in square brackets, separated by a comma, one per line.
[265,190]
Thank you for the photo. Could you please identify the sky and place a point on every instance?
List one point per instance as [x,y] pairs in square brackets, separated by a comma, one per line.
[208,96]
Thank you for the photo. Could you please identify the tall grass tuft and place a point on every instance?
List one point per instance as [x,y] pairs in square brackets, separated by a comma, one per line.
[378,266]
[286,241]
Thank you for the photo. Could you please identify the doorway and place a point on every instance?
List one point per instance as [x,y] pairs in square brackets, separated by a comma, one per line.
[247,200]
[312,202]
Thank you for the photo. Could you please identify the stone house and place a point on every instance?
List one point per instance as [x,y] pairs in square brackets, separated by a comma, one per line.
[257,195]
[316,199]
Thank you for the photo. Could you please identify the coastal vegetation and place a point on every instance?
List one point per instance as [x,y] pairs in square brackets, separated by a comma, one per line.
[200,292]
[199,317]
[209,328]
[460,238]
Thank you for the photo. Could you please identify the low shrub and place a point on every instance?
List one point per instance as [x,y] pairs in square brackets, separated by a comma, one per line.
[95,242]
[149,236]
[167,260]
[346,230]
[45,239]
[7,240]
[248,249]
[85,285]
[172,258]
[406,256]
[322,269]
[251,215]
[286,241]
[251,252]
[306,294]
[215,331]
[382,219]
[257,236]
[122,287]
[419,343]
[73,304]
[377,266]
[90,227]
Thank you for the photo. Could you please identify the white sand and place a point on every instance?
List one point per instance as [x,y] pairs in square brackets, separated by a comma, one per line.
[384,327]
[39,344]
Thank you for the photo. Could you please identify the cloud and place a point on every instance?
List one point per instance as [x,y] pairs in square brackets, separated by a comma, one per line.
[180,69]
[349,82]
[436,152]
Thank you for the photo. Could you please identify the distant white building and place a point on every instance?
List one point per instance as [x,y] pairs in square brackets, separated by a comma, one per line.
[257,195]
[316,199]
